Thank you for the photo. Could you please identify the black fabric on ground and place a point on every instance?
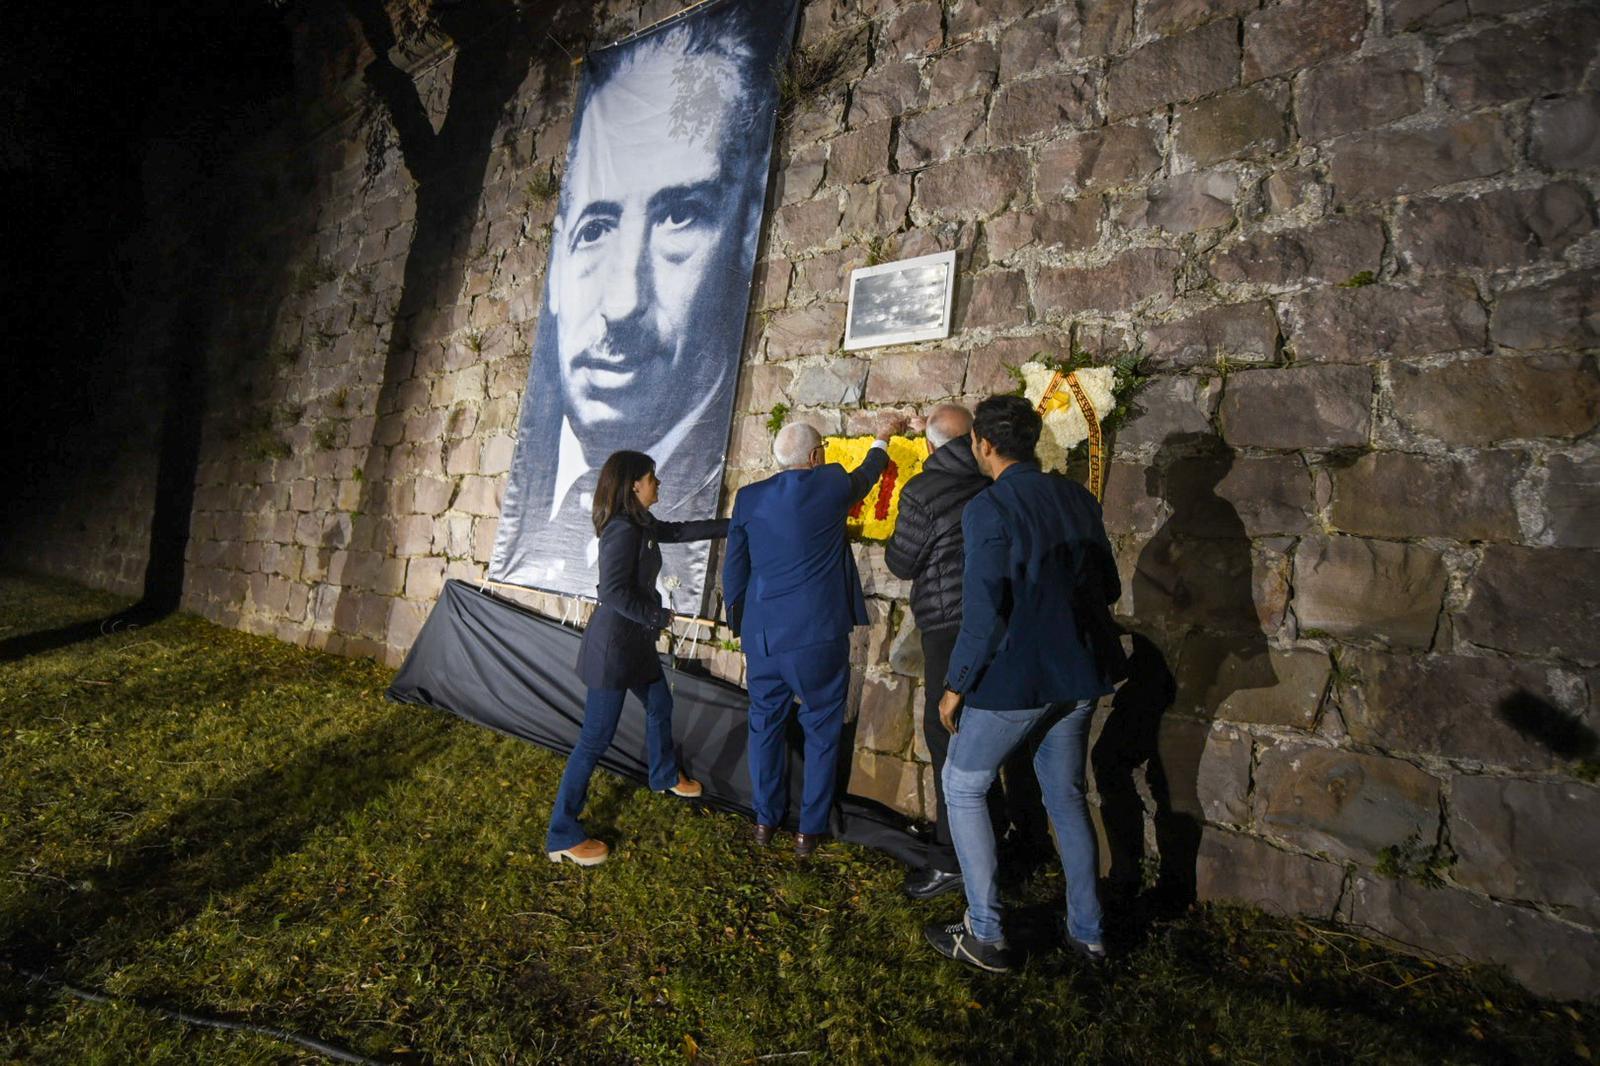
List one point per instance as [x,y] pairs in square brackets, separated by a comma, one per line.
[496,663]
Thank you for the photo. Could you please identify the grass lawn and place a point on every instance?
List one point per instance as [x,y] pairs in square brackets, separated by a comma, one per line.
[223,824]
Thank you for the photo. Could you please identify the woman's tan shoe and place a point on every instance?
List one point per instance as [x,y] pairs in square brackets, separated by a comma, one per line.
[589,853]
[686,787]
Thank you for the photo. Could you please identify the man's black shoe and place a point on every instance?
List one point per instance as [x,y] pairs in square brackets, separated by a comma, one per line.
[955,941]
[926,882]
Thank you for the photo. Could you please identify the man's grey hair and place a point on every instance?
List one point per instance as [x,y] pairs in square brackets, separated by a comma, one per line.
[794,443]
[948,421]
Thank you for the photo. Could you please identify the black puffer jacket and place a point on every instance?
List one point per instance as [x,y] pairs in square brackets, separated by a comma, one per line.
[926,543]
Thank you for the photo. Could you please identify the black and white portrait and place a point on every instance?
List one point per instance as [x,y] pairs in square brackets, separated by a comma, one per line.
[647,289]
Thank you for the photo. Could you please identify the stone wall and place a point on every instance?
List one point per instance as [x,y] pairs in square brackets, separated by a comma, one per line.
[1356,515]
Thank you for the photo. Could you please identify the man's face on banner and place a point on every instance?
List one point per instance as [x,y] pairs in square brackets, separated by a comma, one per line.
[652,220]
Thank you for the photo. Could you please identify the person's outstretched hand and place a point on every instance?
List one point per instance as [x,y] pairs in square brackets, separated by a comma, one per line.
[890,423]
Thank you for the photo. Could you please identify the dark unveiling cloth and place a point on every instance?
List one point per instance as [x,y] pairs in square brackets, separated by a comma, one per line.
[500,665]
[619,647]
[926,545]
[1040,577]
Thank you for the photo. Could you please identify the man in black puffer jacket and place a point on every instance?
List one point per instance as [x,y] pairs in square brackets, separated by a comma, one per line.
[926,547]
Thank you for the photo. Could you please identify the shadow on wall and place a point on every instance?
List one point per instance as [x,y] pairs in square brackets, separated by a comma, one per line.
[1196,639]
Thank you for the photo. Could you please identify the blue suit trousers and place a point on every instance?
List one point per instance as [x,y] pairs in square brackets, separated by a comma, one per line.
[819,675]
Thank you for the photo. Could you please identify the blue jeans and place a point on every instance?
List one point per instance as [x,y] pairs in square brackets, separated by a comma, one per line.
[601,711]
[983,742]
[820,676]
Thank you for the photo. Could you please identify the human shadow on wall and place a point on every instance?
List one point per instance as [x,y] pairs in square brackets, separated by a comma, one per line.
[1562,734]
[1196,640]
[495,46]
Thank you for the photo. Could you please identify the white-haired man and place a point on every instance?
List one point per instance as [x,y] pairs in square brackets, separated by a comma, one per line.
[794,595]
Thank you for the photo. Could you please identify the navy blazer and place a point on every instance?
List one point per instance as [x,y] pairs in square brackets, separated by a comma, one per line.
[1037,586]
[618,649]
[789,579]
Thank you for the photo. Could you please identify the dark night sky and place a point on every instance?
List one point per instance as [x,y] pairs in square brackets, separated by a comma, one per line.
[84,90]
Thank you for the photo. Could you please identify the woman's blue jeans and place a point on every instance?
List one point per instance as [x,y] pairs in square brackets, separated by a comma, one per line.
[601,711]
[985,739]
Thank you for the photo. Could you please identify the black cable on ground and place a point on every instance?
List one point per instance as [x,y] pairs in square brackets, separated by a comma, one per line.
[309,1043]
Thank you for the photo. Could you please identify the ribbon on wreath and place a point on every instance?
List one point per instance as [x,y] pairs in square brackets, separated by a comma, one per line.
[1065,389]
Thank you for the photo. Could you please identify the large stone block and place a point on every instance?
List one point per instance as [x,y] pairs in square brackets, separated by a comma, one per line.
[1557,314]
[989,366]
[1115,155]
[1182,582]
[1368,589]
[1174,70]
[997,299]
[891,781]
[1572,502]
[1498,230]
[1298,407]
[1368,322]
[1535,601]
[1140,276]
[973,186]
[1347,805]
[1488,710]
[1381,164]
[884,721]
[1464,496]
[801,176]
[805,331]
[1301,33]
[1359,94]
[1334,251]
[1171,407]
[1068,227]
[968,70]
[1481,401]
[1551,957]
[1043,106]
[762,386]
[1129,506]
[1514,61]
[877,208]
[1243,124]
[811,223]
[886,92]
[1036,43]
[1107,27]
[911,377]
[1222,782]
[1236,333]
[915,29]
[1165,17]
[1243,680]
[1185,203]
[860,155]
[1244,868]
[1531,840]
[1566,132]
[829,383]
[936,135]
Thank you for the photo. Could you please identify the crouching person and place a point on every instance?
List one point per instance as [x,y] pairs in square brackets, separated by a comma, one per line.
[1035,650]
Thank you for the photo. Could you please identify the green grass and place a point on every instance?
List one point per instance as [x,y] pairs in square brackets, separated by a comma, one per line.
[236,827]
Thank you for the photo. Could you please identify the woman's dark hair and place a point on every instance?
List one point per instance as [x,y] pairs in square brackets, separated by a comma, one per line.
[1010,424]
[613,494]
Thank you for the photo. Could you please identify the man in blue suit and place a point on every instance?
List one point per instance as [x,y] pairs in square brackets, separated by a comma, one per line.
[794,595]
[1037,648]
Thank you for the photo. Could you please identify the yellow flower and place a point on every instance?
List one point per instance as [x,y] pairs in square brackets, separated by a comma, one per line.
[875,516]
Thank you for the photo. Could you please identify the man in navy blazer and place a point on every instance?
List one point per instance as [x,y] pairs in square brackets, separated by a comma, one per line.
[1037,648]
[793,596]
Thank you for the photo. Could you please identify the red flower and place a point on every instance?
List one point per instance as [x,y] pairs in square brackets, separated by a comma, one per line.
[880,510]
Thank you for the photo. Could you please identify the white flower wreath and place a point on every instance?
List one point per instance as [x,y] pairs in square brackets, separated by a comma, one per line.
[1065,427]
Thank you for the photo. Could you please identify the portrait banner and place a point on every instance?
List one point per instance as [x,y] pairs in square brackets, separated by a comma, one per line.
[647,290]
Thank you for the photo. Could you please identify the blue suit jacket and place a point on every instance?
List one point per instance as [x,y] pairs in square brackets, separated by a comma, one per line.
[789,579]
[1038,582]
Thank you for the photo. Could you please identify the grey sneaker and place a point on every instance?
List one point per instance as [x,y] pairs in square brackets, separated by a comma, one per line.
[955,941]
[1092,952]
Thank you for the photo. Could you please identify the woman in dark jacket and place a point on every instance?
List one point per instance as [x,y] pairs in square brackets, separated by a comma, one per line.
[618,652]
